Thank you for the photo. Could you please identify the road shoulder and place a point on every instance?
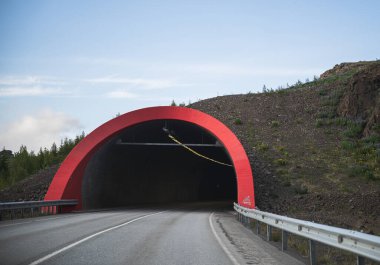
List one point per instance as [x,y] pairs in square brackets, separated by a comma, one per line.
[245,246]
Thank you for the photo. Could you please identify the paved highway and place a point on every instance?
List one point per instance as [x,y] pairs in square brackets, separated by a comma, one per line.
[187,234]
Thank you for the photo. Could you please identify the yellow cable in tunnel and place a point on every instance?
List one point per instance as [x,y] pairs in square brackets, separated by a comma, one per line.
[196,153]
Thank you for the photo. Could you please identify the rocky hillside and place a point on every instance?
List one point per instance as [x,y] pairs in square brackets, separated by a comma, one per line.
[314,147]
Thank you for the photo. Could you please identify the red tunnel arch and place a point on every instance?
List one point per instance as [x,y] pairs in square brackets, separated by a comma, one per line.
[67,182]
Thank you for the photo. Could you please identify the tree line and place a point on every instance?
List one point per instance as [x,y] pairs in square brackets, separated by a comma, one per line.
[19,165]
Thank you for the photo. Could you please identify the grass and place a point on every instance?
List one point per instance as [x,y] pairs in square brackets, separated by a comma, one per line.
[323,92]
[281,162]
[280,148]
[361,171]
[348,145]
[309,110]
[327,114]
[298,243]
[287,183]
[363,154]
[299,121]
[238,121]
[275,124]
[263,146]
[319,123]
[301,190]
[354,130]
[341,121]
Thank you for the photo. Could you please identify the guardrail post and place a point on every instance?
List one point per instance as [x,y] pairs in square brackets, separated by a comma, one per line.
[269,233]
[360,260]
[257,227]
[284,237]
[312,252]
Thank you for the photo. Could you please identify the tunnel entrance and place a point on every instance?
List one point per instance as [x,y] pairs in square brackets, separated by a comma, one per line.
[102,156]
[141,164]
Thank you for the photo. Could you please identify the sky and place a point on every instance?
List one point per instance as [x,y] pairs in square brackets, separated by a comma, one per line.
[70,66]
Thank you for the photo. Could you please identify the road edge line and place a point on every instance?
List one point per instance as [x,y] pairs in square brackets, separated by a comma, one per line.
[228,253]
[49,256]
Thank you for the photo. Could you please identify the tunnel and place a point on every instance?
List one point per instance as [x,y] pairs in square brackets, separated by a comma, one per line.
[142,165]
[159,154]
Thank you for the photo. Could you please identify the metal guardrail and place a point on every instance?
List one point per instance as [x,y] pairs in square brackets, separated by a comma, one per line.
[361,244]
[47,206]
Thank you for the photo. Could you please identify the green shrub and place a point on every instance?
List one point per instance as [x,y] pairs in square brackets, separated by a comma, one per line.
[361,171]
[286,183]
[371,139]
[238,121]
[348,145]
[275,124]
[319,123]
[341,121]
[281,162]
[354,130]
[323,92]
[365,149]
[301,190]
[309,110]
[262,146]
[282,171]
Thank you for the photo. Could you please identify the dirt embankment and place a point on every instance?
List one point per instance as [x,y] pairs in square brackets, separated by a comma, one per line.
[32,188]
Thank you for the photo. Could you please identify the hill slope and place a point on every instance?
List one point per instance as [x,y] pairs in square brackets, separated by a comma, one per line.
[314,147]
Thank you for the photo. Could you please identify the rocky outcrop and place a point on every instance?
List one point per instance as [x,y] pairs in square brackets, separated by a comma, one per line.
[344,68]
[361,101]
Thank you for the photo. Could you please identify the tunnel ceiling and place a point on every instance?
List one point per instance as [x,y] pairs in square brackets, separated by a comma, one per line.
[152,132]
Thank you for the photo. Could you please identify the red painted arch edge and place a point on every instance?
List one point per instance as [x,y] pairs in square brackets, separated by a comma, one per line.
[67,182]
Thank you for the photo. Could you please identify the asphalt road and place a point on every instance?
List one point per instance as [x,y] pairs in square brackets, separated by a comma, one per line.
[186,234]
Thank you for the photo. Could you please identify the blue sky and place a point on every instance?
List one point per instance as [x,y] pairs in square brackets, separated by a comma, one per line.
[69,66]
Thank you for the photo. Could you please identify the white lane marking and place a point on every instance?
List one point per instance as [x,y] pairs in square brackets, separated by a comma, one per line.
[88,238]
[228,253]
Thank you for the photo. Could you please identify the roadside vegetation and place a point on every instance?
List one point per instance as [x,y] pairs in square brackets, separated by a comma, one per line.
[16,167]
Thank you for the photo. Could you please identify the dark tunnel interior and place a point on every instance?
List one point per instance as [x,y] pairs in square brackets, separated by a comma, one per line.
[142,165]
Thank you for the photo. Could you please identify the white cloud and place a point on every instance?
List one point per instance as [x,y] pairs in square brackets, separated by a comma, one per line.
[136,82]
[29,80]
[17,86]
[29,91]
[122,94]
[38,130]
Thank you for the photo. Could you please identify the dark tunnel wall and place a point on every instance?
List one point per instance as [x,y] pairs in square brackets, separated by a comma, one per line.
[119,174]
